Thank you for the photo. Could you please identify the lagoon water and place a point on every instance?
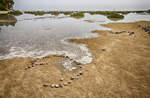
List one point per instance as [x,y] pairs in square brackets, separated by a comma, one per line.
[40,36]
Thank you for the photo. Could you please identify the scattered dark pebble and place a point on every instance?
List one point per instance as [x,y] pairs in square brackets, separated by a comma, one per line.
[72,78]
[29,67]
[45,85]
[81,73]
[103,49]
[60,85]
[131,33]
[146,29]
[69,82]
[42,63]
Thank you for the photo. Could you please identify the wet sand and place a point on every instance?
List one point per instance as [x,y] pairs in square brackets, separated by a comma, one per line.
[120,69]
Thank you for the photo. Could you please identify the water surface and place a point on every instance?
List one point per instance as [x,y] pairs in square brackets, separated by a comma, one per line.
[39,36]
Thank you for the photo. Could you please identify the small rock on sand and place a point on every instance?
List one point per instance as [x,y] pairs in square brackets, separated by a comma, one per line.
[103,49]
[131,33]
[65,84]
[57,86]
[81,73]
[45,85]
[69,82]
[29,67]
[72,78]
[61,79]
[53,85]
[42,63]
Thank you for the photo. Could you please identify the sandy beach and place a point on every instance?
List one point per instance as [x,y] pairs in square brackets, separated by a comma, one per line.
[120,69]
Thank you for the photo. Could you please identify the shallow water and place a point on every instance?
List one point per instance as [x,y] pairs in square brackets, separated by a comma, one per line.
[39,36]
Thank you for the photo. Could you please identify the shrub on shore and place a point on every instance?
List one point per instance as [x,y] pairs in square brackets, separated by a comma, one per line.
[124,12]
[67,12]
[49,12]
[35,12]
[2,7]
[77,15]
[115,16]
[15,13]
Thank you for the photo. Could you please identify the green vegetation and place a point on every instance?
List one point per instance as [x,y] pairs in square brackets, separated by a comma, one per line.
[123,12]
[35,12]
[67,12]
[115,16]
[49,12]
[2,7]
[6,4]
[77,15]
[101,12]
[139,11]
[110,14]
[80,14]
[16,13]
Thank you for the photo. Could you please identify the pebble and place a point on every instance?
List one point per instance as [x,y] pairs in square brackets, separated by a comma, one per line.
[69,82]
[42,63]
[60,85]
[65,84]
[103,49]
[80,66]
[29,67]
[72,78]
[78,63]
[62,79]
[81,73]
[56,86]
[45,85]
[130,33]
[53,85]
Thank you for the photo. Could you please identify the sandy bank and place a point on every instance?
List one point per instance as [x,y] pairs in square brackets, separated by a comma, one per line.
[120,69]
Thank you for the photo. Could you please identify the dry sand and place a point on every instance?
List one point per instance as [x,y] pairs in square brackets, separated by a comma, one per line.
[120,69]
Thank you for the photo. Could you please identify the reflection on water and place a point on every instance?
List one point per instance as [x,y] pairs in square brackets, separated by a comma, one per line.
[39,36]
[6,20]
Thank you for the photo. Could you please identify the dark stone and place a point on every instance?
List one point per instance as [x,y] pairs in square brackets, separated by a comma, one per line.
[45,85]
[69,82]
[72,78]
[60,85]
[42,63]
[103,49]
[131,33]
[81,73]
[29,67]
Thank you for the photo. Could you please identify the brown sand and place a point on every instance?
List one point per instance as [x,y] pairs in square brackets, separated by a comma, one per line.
[121,71]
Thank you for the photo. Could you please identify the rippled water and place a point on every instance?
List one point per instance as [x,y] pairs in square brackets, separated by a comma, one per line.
[39,36]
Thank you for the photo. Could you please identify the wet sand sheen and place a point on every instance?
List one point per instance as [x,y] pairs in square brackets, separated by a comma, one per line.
[120,69]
